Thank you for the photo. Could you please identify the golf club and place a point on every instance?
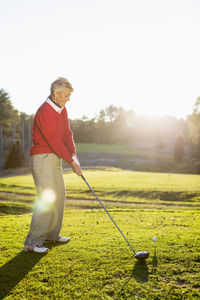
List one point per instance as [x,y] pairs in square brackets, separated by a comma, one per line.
[138,255]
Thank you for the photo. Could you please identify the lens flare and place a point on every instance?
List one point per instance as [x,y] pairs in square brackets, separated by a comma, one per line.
[48,196]
[46,200]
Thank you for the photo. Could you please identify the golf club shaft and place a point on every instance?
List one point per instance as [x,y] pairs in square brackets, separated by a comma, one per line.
[107,213]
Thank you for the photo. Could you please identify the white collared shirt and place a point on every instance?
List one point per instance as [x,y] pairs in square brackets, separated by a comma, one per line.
[57,109]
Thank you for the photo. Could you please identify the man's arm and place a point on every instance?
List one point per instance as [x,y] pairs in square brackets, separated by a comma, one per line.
[46,122]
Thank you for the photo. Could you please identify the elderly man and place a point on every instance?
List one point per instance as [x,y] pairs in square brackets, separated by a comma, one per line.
[52,142]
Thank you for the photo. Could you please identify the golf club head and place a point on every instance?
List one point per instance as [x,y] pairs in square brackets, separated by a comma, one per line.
[142,255]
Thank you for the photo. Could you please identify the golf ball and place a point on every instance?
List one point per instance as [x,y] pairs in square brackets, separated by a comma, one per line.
[154,239]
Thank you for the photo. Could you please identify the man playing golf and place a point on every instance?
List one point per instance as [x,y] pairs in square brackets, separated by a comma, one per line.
[52,142]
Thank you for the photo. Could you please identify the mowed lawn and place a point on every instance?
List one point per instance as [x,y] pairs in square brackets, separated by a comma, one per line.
[97,263]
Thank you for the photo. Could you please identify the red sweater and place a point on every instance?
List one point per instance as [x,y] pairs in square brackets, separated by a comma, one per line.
[52,133]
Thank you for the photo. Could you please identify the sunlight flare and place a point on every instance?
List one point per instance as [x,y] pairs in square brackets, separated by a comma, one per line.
[46,200]
[48,196]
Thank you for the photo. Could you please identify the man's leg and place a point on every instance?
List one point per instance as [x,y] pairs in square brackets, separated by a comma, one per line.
[48,212]
[58,187]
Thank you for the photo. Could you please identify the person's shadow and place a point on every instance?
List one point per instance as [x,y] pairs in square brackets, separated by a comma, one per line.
[17,268]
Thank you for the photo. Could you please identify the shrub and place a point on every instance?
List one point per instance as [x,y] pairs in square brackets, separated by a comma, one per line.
[15,158]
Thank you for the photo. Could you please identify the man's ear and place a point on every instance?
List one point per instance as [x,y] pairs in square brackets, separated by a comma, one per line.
[54,95]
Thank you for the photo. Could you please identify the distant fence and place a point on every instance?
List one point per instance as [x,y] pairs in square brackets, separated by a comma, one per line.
[24,138]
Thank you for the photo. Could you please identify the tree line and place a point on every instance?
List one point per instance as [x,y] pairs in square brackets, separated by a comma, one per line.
[115,125]
[11,119]
[15,134]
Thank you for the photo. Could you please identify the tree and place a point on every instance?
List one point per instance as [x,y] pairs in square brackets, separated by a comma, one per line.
[101,116]
[197,106]
[193,122]
[8,115]
[112,112]
[179,147]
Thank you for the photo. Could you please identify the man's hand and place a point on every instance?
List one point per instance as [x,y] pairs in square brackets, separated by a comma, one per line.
[76,168]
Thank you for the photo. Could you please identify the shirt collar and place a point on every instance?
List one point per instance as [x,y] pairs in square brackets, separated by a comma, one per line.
[57,108]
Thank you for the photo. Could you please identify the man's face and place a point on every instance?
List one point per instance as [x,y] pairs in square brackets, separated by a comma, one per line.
[61,98]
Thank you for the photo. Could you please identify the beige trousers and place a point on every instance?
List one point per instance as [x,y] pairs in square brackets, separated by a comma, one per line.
[49,207]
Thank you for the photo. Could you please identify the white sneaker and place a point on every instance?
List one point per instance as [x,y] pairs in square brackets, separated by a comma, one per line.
[36,249]
[62,239]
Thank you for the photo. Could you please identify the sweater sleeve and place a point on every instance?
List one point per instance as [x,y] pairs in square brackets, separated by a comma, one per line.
[69,141]
[46,122]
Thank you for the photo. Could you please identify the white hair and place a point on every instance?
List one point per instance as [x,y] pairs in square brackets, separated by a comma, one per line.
[60,84]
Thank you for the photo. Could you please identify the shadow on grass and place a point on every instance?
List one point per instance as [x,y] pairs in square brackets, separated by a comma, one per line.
[155,261]
[12,208]
[140,271]
[162,195]
[6,185]
[16,269]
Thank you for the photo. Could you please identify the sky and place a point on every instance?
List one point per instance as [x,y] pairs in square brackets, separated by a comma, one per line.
[142,55]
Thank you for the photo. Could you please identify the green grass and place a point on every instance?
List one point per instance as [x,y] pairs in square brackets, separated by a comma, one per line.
[115,185]
[97,263]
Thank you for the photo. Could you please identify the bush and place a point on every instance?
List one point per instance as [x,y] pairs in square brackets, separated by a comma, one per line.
[15,158]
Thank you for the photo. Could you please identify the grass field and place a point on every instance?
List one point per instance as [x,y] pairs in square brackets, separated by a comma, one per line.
[137,157]
[97,263]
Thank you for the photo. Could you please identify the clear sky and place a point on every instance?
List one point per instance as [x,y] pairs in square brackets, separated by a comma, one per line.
[142,55]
